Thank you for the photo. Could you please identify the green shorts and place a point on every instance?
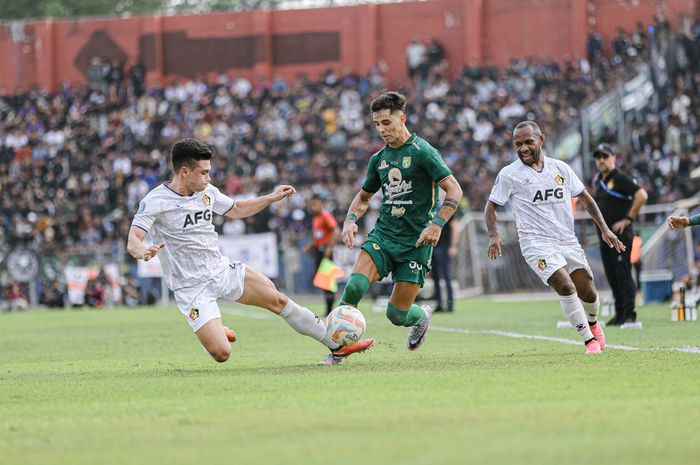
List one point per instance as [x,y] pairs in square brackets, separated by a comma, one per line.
[404,262]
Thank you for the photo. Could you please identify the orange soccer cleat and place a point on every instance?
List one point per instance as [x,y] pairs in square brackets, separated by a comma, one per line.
[337,356]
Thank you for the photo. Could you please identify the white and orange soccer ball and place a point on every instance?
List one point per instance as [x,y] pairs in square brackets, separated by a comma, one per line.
[345,325]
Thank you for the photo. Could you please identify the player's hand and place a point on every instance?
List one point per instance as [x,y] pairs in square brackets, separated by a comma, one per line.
[611,239]
[152,250]
[619,226]
[495,248]
[678,222]
[348,234]
[429,236]
[283,191]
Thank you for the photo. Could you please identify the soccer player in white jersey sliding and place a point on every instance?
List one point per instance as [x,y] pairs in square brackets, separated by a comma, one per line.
[539,190]
[178,214]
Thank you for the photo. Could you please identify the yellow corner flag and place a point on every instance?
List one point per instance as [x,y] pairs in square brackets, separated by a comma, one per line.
[327,274]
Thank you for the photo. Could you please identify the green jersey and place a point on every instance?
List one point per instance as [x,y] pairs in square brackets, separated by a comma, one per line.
[409,177]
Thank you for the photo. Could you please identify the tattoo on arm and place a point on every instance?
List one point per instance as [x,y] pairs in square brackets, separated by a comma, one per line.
[450,203]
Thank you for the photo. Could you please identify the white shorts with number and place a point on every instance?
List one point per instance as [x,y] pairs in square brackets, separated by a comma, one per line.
[198,302]
[546,259]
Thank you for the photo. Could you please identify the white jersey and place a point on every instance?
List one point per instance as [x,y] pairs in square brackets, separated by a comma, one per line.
[540,200]
[191,254]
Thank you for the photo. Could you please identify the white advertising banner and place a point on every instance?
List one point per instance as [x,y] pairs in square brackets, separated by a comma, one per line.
[256,250]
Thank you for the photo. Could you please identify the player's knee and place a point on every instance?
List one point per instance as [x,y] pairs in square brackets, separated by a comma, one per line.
[282,301]
[396,315]
[220,353]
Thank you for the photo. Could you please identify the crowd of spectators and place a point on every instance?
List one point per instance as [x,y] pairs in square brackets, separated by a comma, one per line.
[75,163]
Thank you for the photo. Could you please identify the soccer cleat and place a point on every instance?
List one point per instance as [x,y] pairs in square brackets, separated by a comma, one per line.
[230,335]
[593,347]
[597,331]
[416,335]
[337,356]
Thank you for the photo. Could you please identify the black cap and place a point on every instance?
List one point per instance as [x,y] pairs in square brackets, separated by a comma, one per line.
[603,149]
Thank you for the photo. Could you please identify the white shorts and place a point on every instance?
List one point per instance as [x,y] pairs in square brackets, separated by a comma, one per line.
[546,259]
[198,302]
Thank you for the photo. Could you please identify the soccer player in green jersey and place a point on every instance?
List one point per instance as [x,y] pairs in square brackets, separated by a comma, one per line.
[409,171]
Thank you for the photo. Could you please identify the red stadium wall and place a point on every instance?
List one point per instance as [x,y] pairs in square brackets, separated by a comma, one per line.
[263,43]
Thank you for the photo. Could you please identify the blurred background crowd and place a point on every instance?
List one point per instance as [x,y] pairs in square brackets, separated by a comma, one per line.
[74,164]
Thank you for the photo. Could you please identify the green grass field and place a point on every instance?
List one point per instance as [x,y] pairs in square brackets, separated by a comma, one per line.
[134,387]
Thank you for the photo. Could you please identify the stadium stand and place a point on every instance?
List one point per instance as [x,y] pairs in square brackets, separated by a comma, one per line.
[73,164]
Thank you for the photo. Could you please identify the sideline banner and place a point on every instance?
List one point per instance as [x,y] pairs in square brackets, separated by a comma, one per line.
[256,250]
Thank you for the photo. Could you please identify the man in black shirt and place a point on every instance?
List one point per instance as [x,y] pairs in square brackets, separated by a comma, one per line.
[619,198]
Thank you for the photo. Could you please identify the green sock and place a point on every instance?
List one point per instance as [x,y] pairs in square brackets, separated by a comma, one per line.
[416,315]
[355,289]
[411,317]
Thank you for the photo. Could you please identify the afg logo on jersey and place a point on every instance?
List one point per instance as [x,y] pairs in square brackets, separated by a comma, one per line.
[206,200]
[194,314]
[541,263]
[397,212]
[543,196]
[191,220]
[559,179]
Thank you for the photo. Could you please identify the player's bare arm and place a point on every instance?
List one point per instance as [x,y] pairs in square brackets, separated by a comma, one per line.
[495,248]
[678,222]
[608,236]
[137,248]
[638,200]
[453,195]
[249,207]
[358,207]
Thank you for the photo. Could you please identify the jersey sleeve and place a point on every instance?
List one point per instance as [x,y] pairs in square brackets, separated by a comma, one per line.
[434,165]
[221,203]
[502,189]
[626,185]
[577,185]
[146,215]
[372,180]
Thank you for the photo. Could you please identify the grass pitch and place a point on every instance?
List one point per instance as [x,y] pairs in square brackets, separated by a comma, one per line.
[134,387]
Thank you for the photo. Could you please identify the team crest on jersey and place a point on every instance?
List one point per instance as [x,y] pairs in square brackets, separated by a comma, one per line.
[611,184]
[406,162]
[559,179]
[206,200]
[383,165]
[541,263]
[142,206]
[194,314]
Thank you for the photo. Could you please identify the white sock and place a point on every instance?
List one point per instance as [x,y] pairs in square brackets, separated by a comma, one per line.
[303,321]
[591,309]
[577,317]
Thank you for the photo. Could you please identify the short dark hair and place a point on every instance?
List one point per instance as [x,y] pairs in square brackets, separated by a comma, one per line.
[392,101]
[189,152]
[529,124]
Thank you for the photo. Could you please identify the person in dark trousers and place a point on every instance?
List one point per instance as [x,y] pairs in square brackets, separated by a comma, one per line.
[619,198]
[324,232]
[443,253]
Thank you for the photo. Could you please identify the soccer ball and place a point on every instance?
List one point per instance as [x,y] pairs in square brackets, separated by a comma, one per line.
[345,325]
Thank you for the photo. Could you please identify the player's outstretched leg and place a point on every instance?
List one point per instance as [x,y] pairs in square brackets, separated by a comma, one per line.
[261,292]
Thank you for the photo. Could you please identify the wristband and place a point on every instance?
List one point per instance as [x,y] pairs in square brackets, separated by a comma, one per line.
[694,220]
[439,222]
[627,217]
[351,217]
